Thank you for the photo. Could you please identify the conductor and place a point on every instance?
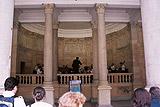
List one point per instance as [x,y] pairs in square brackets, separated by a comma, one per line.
[76,64]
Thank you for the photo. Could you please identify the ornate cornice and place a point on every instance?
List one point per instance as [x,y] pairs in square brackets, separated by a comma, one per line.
[55,24]
[100,8]
[49,8]
[94,24]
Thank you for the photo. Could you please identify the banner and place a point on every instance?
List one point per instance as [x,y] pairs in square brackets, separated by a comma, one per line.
[75,85]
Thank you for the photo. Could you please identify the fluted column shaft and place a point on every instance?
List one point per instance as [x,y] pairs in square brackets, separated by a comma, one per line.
[95,49]
[55,49]
[150,10]
[48,65]
[102,66]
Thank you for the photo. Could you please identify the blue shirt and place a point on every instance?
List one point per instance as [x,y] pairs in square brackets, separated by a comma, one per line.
[155,103]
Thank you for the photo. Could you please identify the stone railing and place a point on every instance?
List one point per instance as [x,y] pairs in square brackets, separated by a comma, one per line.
[65,78]
[120,77]
[28,79]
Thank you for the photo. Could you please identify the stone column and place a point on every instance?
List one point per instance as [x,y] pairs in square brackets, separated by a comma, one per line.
[14,49]
[6,22]
[55,58]
[138,55]
[95,60]
[48,53]
[55,49]
[104,96]
[150,10]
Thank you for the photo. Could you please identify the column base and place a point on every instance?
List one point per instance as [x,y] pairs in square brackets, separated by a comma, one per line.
[48,86]
[105,106]
[104,95]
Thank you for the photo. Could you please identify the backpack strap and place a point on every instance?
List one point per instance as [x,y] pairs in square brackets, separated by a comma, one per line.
[7,99]
[12,96]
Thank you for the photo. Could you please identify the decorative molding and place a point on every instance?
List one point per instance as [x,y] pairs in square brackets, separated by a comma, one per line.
[78,3]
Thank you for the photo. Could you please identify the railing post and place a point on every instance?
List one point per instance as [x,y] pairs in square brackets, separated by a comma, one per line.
[116,78]
[33,79]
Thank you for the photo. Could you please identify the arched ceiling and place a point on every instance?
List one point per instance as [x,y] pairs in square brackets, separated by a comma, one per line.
[74,30]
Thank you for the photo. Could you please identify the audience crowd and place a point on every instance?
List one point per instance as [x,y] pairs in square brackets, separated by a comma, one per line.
[9,98]
[141,98]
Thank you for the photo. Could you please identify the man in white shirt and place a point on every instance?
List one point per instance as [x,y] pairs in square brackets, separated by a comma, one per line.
[11,87]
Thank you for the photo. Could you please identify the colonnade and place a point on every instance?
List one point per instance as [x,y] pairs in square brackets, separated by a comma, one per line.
[50,54]
[151,36]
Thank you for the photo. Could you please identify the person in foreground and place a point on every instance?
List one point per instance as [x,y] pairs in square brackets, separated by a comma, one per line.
[38,95]
[141,98]
[11,87]
[155,96]
[72,99]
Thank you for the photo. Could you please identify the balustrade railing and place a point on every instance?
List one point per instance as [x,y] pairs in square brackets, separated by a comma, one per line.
[28,79]
[65,78]
[120,77]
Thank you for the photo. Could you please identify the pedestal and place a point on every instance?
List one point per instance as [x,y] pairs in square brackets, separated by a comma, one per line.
[104,96]
[48,86]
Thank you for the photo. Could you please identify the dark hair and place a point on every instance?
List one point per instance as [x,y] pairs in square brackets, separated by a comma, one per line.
[77,58]
[155,92]
[142,98]
[10,83]
[39,93]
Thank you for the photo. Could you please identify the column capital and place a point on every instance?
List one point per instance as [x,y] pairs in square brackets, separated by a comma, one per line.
[49,8]
[134,23]
[100,8]
[94,24]
[55,24]
[15,24]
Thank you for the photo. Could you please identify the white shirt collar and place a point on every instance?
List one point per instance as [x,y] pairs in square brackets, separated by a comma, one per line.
[8,94]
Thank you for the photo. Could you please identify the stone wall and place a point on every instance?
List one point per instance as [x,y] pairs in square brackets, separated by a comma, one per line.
[70,48]
[119,48]
[138,55]
[30,49]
